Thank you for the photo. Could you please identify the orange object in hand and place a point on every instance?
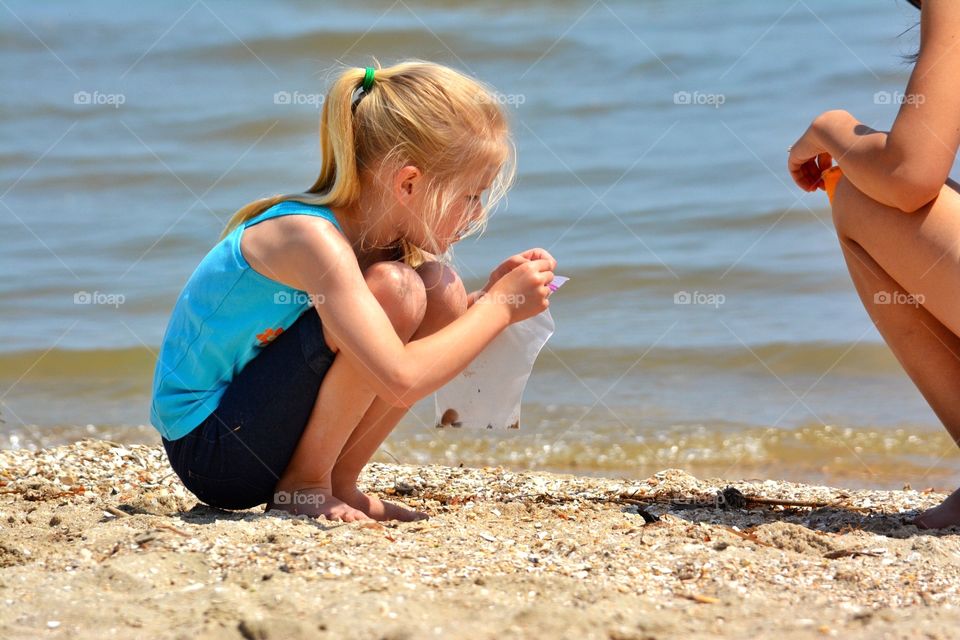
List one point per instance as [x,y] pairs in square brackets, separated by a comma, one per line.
[830,179]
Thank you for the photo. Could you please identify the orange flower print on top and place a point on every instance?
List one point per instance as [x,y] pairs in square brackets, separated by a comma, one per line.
[268,336]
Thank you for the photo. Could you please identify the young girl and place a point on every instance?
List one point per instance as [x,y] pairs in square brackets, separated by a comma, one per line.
[898,218]
[319,318]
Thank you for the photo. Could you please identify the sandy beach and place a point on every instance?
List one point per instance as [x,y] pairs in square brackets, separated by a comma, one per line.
[100,540]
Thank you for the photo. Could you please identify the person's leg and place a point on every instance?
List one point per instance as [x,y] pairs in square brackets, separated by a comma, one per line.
[344,398]
[906,270]
[446,301]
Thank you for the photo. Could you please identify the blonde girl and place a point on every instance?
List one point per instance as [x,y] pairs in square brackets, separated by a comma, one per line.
[319,318]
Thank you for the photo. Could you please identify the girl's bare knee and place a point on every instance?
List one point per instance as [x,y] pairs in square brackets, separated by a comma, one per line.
[400,291]
[849,206]
[446,295]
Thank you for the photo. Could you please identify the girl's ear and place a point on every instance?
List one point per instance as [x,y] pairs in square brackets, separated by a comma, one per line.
[407,179]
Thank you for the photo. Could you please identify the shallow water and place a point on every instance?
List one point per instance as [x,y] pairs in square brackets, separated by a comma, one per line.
[131,135]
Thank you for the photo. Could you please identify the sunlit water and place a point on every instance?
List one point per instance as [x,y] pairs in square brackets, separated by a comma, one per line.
[652,142]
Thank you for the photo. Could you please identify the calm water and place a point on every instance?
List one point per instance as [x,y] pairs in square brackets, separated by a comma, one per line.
[131,134]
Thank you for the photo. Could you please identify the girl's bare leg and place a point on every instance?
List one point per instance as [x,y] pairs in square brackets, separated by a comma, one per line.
[344,398]
[906,268]
[446,301]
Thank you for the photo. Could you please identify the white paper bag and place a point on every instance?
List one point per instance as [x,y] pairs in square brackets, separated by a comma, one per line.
[488,393]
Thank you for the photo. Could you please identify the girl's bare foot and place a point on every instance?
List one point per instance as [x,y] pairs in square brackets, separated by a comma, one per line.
[376,508]
[946,514]
[315,502]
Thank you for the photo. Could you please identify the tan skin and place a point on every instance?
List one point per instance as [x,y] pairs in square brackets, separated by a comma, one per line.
[897,215]
[398,333]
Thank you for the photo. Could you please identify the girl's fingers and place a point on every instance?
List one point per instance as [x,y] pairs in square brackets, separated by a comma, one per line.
[802,171]
[538,254]
[807,171]
[813,174]
[509,265]
[797,176]
[530,254]
[542,265]
[824,162]
[804,176]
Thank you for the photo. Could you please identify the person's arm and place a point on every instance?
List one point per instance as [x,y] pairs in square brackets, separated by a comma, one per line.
[906,167]
[506,267]
[403,373]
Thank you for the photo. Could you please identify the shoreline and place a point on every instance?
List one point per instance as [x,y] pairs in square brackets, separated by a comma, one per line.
[102,539]
[793,456]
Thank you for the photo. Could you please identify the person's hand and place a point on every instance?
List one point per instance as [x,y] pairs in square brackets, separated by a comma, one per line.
[808,159]
[523,291]
[515,261]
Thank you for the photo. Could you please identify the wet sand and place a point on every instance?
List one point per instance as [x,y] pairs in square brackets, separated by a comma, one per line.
[101,540]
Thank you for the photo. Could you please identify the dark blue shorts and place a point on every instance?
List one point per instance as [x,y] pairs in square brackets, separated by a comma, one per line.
[235,457]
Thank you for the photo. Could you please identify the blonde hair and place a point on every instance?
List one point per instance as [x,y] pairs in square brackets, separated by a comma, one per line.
[420,113]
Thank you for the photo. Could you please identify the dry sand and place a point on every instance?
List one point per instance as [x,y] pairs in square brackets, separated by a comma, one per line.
[100,540]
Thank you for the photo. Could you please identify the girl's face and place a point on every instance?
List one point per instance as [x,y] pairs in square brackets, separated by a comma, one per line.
[467,208]
[464,210]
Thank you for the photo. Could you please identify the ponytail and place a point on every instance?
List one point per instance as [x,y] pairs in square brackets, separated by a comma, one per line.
[445,123]
[339,182]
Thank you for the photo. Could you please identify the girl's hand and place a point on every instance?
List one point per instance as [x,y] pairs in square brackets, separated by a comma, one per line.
[513,262]
[808,159]
[523,291]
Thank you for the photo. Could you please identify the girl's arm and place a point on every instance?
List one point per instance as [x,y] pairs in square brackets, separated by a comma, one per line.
[907,167]
[506,267]
[401,374]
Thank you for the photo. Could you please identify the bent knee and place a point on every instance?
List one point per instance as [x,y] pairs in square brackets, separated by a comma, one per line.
[446,294]
[851,207]
[400,291]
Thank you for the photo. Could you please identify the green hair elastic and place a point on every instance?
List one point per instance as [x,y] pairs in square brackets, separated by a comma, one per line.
[368,79]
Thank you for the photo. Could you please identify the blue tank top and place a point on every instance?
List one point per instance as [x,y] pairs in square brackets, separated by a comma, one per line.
[226,313]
